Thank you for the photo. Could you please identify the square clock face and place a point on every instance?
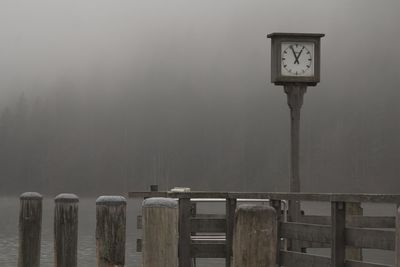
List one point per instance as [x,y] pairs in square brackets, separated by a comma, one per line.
[297,59]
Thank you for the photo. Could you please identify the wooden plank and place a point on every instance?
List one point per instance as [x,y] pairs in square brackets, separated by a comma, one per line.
[351,263]
[353,221]
[207,250]
[315,219]
[308,244]
[306,232]
[297,259]
[338,214]
[208,225]
[230,207]
[370,238]
[372,198]
[184,233]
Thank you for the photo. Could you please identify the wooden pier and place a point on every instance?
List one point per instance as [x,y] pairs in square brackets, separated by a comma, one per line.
[341,231]
[261,234]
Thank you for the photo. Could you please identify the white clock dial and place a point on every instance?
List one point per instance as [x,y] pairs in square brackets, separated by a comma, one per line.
[297,59]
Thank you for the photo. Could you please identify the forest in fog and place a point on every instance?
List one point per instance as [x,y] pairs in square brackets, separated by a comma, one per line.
[102,97]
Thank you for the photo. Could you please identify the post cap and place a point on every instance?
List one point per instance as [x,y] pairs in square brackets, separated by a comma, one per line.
[66,197]
[31,195]
[110,200]
[160,202]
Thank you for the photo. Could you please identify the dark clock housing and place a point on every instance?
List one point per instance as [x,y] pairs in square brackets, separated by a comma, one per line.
[277,39]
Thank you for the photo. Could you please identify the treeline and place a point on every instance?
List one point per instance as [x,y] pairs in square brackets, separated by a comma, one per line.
[70,142]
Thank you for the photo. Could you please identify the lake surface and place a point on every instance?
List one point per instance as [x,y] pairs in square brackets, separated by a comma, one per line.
[86,248]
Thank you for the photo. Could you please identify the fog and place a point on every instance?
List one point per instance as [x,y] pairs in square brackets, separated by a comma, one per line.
[104,97]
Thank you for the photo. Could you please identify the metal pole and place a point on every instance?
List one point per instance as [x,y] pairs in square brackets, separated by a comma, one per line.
[295,95]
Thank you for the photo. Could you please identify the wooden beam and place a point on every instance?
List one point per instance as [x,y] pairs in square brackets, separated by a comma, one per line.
[372,198]
[370,238]
[306,232]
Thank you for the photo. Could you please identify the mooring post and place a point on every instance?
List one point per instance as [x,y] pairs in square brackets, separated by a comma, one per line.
[397,252]
[30,224]
[66,230]
[255,236]
[110,231]
[160,232]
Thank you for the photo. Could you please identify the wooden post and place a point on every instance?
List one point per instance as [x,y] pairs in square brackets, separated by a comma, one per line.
[353,208]
[160,232]
[397,252]
[276,204]
[30,224]
[338,234]
[110,231]
[230,221]
[255,236]
[185,259]
[295,95]
[66,230]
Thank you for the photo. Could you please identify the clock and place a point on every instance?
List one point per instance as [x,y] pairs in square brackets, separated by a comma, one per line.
[295,58]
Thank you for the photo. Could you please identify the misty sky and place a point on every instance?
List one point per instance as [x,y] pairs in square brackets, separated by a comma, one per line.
[110,43]
[210,54]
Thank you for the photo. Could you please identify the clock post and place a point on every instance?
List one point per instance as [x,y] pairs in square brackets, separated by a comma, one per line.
[295,64]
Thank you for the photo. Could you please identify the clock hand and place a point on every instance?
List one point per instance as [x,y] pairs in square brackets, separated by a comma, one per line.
[298,56]
[294,53]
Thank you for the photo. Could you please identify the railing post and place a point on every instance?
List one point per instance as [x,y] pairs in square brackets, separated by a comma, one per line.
[30,226]
[397,252]
[255,236]
[185,259]
[353,209]
[230,207]
[66,230]
[160,232]
[276,204]
[110,231]
[338,246]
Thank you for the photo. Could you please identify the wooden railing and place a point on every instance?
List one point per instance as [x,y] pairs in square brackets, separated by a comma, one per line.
[337,231]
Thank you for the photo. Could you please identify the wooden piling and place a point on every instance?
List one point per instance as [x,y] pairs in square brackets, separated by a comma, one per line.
[110,231]
[255,236]
[30,224]
[160,232]
[66,230]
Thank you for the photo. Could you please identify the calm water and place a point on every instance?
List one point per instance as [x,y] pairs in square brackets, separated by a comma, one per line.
[87,252]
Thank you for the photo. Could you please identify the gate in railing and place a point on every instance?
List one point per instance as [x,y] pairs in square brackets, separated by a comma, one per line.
[210,236]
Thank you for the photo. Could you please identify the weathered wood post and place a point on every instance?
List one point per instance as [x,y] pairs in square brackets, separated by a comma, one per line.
[160,232]
[353,209]
[185,259]
[30,226]
[397,252]
[66,230]
[255,236]
[338,246]
[110,231]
